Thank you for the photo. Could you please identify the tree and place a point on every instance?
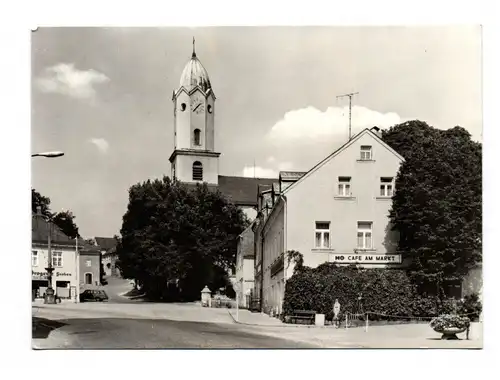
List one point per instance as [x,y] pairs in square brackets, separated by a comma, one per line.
[437,206]
[38,200]
[65,221]
[175,239]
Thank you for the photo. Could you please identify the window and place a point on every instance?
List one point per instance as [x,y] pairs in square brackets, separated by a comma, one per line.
[344,186]
[34,258]
[88,263]
[364,235]
[57,259]
[197,171]
[366,153]
[196,137]
[322,235]
[386,186]
[88,278]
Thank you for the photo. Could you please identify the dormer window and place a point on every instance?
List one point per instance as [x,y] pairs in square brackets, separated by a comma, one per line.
[366,153]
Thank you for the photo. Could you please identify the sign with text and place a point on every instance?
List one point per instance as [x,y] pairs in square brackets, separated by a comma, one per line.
[38,275]
[366,259]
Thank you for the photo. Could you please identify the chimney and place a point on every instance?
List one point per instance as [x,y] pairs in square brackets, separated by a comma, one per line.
[377,131]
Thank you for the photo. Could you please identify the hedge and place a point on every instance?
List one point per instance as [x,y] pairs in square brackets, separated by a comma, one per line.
[387,292]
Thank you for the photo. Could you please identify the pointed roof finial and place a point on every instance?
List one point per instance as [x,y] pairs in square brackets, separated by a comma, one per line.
[194,51]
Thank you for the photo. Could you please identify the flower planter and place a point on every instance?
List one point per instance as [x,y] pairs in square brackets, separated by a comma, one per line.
[451,333]
[450,325]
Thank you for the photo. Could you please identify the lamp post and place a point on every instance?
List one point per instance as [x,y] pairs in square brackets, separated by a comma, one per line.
[50,297]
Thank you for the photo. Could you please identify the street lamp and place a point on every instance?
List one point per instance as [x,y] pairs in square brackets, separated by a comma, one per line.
[49,293]
[48,154]
[50,297]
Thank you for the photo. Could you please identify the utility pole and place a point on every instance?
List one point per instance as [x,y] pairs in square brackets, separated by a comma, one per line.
[350,95]
[254,168]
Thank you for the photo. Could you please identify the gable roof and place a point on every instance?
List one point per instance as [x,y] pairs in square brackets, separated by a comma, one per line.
[106,243]
[243,191]
[342,148]
[40,234]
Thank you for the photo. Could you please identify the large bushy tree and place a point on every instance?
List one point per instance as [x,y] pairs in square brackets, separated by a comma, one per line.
[175,235]
[437,206]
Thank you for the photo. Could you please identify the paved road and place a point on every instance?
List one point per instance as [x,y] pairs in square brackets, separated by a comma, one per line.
[117,286]
[117,333]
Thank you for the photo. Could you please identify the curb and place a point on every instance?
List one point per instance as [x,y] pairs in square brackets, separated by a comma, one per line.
[284,325]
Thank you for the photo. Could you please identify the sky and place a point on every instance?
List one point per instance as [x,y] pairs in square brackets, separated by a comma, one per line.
[103,96]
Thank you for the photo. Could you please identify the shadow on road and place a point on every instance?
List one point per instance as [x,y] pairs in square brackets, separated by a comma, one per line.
[42,327]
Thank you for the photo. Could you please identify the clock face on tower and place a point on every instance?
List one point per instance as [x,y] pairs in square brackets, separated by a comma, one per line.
[197,105]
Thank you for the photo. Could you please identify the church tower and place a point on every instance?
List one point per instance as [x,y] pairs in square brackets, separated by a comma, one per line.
[194,158]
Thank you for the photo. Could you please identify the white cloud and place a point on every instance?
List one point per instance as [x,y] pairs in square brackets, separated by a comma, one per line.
[101,144]
[65,79]
[312,124]
[268,172]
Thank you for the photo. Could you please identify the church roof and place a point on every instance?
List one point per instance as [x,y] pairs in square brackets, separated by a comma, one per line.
[243,191]
[194,74]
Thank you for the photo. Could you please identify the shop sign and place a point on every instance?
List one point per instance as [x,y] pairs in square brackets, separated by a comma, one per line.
[62,274]
[369,259]
[38,275]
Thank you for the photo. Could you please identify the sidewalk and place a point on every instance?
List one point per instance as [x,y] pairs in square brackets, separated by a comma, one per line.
[418,335]
[177,312]
[246,317]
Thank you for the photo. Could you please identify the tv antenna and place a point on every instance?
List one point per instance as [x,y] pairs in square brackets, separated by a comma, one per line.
[350,95]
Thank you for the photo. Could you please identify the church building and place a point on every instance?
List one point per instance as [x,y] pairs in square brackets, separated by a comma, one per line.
[195,158]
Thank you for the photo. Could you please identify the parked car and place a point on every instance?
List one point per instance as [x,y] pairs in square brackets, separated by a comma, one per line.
[93,295]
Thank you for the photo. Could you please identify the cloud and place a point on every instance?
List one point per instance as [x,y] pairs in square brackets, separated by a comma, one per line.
[65,79]
[101,144]
[311,124]
[266,172]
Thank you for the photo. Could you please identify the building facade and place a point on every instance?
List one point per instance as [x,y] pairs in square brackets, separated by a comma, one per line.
[70,260]
[337,212]
[245,267]
[107,247]
[89,269]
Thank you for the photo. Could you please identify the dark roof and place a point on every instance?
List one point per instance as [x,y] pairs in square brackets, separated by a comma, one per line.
[40,234]
[105,243]
[242,191]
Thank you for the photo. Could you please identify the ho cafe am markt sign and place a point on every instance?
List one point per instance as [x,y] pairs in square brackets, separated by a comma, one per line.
[372,259]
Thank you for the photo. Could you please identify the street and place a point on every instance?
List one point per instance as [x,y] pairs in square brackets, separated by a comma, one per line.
[122,333]
[94,326]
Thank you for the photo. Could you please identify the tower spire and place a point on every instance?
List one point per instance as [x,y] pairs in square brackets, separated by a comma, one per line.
[194,51]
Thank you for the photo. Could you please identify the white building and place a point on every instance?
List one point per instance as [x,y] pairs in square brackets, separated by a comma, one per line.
[65,281]
[336,212]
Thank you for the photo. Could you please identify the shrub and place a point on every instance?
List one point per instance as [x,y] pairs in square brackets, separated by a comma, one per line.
[388,292]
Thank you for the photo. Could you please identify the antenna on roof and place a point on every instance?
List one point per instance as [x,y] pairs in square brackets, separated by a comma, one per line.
[194,51]
[350,95]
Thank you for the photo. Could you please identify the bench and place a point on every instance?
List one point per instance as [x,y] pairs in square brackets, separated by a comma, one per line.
[303,317]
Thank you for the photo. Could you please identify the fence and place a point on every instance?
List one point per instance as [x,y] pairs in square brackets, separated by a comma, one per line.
[371,318]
